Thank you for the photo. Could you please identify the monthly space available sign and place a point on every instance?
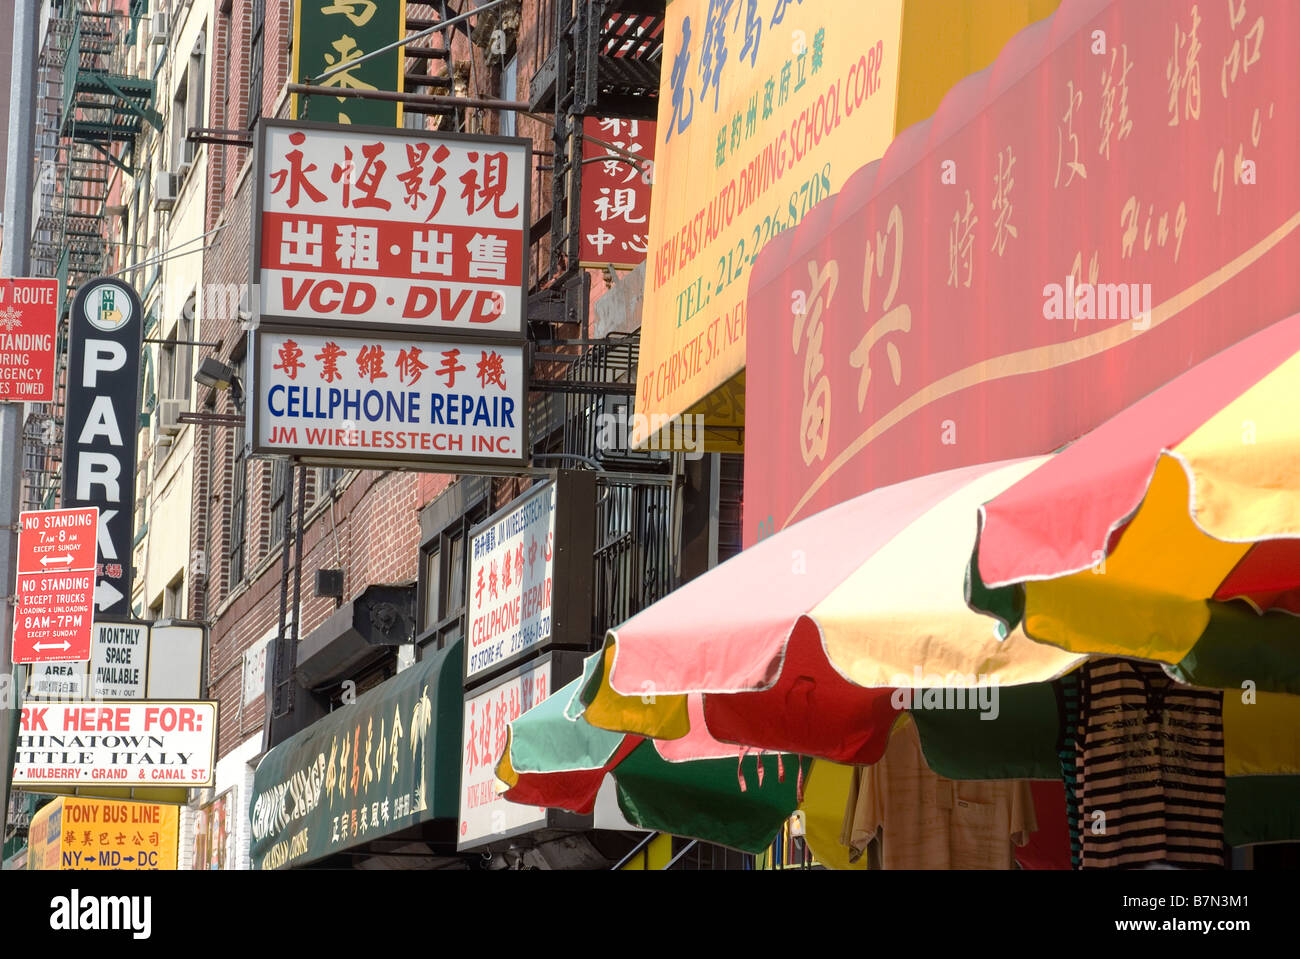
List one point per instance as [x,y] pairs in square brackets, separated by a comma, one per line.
[148,743]
[118,668]
[392,227]
[510,571]
[357,397]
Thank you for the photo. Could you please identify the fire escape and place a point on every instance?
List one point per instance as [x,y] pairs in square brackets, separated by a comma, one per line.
[91,108]
[604,62]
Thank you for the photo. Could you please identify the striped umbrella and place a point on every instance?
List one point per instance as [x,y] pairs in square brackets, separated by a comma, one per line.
[692,786]
[1141,537]
[806,642]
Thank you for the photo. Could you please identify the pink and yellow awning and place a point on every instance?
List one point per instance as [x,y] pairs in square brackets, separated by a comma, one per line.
[1121,543]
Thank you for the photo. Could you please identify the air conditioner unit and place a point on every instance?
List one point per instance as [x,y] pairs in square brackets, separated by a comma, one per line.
[164,191]
[169,416]
[160,31]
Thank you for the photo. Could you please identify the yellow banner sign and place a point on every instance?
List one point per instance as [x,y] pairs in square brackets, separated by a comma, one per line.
[765,108]
[96,834]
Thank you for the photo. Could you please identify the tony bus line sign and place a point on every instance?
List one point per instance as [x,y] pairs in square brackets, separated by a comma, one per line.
[372,226]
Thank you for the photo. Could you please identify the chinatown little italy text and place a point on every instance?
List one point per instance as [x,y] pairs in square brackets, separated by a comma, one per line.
[121,743]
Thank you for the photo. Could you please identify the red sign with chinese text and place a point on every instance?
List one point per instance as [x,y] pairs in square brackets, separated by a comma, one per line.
[393,228]
[616,191]
[53,617]
[1108,204]
[28,326]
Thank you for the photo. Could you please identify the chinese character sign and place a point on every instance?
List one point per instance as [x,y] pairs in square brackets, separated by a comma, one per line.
[485,814]
[410,229]
[616,191]
[350,397]
[511,565]
[378,766]
[765,108]
[334,35]
[934,314]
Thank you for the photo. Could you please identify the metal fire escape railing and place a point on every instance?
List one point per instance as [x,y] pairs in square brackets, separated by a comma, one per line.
[91,107]
[583,417]
[633,565]
[605,63]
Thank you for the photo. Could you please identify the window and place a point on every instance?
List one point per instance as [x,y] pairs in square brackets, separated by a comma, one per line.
[281,475]
[430,591]
[176,366]
[456,574]
[442,580]
[327,477]
[196,99]
[509,91]
[173,606]
[253,108]
[181,149]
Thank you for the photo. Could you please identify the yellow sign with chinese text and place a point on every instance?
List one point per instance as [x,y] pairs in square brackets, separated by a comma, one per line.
[100,834]
[764,110]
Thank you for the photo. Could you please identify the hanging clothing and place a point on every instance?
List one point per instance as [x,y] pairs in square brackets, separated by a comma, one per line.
[1148,768]
[930,822]
[1049,846]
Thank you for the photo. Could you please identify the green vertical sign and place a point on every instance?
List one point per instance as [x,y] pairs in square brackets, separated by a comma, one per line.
[331,33]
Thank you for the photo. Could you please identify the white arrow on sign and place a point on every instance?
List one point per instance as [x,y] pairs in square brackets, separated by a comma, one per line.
[63,645]
[106,594]
[47,560]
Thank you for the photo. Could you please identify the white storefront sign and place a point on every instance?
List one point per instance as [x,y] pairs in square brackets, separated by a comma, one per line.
[510,581]
[486,815]
[398,228]
[116,743]
[347,398]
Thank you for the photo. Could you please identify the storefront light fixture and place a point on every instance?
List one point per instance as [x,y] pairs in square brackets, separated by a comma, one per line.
[216,375]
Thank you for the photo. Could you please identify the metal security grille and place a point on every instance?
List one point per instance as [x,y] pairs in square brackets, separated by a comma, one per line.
[634,559]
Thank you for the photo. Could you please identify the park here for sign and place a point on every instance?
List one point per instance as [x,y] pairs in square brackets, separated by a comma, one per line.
[117,743]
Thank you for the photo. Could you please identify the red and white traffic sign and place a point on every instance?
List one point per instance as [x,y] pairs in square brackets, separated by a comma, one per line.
[56,585]
[28,324]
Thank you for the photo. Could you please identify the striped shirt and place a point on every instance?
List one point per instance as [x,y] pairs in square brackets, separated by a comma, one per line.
[1148,768]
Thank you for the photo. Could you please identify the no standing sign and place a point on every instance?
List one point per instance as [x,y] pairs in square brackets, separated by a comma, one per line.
[56,585]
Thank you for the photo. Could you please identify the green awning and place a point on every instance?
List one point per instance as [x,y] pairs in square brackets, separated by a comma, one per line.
[367,770]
